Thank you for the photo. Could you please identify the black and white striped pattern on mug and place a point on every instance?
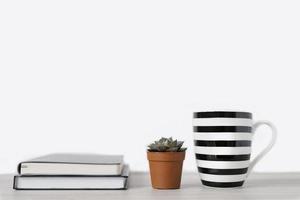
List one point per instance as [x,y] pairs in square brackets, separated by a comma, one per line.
[222,146]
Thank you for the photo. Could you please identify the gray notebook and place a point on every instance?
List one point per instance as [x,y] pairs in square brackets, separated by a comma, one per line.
[73,164]
[59,182]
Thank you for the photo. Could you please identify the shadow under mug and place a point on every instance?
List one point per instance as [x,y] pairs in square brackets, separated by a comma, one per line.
[222,143]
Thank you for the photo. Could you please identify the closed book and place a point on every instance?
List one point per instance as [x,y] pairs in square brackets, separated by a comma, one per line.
[78,182]
[72,164]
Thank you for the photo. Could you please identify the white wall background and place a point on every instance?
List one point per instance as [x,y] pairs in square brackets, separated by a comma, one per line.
[111,76]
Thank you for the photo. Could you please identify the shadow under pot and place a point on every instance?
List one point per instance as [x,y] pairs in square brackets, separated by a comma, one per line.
[166,169]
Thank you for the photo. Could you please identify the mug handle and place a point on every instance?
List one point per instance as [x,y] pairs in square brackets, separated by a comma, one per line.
[268,148]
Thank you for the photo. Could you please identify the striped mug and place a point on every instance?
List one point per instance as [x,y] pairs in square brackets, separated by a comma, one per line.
[223,146]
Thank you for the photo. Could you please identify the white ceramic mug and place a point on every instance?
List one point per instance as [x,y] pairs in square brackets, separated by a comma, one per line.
[222,142]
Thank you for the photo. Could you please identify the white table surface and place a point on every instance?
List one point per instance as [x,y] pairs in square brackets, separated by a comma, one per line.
[258,186]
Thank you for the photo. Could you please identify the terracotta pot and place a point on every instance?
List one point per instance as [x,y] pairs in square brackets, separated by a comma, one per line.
[165,169]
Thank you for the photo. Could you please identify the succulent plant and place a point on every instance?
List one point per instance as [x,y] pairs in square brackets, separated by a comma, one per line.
[166,145]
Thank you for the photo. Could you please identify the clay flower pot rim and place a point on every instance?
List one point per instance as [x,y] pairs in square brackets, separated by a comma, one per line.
[166,156]
[166,151]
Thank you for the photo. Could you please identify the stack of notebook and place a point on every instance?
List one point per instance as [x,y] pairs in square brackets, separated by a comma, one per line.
[72,172]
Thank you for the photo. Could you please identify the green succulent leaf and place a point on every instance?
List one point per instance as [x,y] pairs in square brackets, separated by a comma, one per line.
[180,143]
[166,145]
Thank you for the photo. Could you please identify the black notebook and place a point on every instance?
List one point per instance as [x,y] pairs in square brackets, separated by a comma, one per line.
[78,182]
[73,164]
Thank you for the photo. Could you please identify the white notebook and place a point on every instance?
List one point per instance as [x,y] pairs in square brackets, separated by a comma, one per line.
[42,182]
[73,164]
